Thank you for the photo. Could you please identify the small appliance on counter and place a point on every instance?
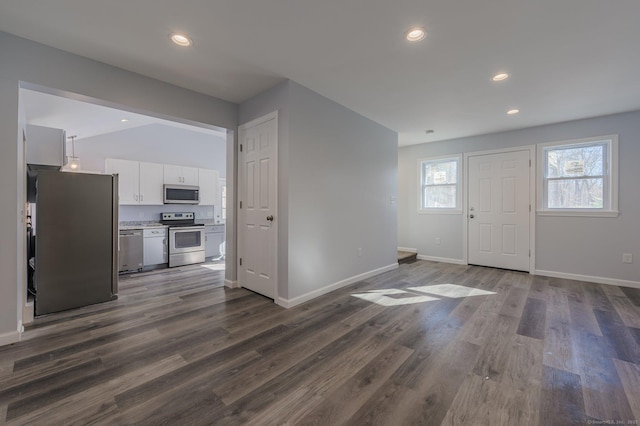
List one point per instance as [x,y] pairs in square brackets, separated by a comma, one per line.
[186,238]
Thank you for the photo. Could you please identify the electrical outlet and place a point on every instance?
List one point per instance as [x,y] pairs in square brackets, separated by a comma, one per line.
[141,215]
[438,241]
[359,251]
[627,258]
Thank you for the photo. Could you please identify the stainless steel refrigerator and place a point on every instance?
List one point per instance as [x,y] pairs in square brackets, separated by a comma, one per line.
[76,240]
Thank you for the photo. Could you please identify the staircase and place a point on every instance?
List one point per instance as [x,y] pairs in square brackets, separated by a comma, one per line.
[407,257]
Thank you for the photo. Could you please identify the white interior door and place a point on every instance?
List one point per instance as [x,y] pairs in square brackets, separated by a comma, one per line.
[498,210]
[257,217]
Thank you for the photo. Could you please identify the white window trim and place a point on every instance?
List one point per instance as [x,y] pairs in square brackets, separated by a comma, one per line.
[612,170]
[459,188]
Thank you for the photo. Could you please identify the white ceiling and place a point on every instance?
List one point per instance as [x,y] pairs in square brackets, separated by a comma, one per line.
[568,59]
[85,120]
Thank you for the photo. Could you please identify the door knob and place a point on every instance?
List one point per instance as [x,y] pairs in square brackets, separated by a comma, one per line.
[471,216]
[270,218]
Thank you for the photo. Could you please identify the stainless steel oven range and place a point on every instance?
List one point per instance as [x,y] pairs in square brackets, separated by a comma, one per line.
[186,239]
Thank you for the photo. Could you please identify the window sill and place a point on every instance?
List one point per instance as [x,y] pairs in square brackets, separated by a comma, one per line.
[440,211]
[610,213]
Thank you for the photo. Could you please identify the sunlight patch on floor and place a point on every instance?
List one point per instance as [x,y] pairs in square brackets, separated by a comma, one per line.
[396,297]
[214,266]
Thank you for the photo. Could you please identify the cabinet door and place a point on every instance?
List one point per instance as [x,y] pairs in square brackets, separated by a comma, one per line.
[128,179]
[214,244]
[208,182]
[155,251]
[172,175]
[190,176]
[151,180]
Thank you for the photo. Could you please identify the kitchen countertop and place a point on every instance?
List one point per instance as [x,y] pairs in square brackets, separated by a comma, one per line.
[128,225]
[140,224]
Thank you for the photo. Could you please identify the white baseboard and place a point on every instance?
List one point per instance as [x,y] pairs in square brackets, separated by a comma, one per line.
[408,249]
[231,284]
[588,278]
[289,303]
[442,259]
[9,338]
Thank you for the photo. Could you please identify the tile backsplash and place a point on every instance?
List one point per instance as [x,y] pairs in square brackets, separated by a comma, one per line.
[147,213]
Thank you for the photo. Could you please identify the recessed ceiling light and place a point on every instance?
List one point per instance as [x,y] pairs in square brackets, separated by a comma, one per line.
[429,131]
[415,34]
[500,77]
[513,111]
[181,39]
[124,120]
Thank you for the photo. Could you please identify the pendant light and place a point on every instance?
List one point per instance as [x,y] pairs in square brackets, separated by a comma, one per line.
[73,162]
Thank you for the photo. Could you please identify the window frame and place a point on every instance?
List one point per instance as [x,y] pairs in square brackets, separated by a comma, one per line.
[458,185]
[610,178]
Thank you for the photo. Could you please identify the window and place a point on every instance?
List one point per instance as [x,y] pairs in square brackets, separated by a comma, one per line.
[439,185]
[579,178]
[222,191]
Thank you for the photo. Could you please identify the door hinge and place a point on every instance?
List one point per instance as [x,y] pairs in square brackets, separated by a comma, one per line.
[240,147]
[529,252]
[529,163]
[529,208]
[240,261]
[240,204]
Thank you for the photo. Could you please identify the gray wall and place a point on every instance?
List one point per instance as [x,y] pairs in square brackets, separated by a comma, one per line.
[338,172]
[154,143]
[23,60]
[590,246]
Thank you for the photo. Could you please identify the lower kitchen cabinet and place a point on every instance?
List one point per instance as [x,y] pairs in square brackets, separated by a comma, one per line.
[214,240]
[155,246]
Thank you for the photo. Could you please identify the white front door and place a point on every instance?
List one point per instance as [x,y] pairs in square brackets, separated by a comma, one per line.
[498,210]
[257,202]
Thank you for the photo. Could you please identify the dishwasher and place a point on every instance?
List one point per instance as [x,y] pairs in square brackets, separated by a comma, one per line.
[131,250]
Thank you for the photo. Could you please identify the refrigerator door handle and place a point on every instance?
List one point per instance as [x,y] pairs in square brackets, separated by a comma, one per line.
[116,237]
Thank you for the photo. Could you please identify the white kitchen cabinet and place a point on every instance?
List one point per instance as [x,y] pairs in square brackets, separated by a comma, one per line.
[151,181]
[128,179]
[208,182]
[138,182]
[155,250]
[214,240]
[180,175]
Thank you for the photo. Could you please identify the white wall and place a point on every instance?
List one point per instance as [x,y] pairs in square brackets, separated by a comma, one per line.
[154,143]
[338,172]
[23,60]
[586,246]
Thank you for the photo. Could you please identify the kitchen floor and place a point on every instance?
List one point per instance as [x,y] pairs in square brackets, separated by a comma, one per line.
[426,344]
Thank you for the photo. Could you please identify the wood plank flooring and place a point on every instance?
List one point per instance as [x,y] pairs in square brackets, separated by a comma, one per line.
[426,344]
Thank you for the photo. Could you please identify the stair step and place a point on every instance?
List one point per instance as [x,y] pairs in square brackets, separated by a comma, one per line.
[407,257]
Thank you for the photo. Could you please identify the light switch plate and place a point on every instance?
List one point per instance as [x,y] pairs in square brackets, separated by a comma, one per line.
[627,258]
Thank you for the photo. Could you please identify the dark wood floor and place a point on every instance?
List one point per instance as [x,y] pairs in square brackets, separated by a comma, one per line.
[427,344]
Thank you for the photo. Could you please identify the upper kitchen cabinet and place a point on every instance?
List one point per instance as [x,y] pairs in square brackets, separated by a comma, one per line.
[180,175]
[139,183]
[45,145]
[208,180]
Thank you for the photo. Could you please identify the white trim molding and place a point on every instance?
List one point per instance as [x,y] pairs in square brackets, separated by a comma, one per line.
[610,178]
[589,278]
[9,338]
[231,283]
[442,259]
[408,249]
[290,303]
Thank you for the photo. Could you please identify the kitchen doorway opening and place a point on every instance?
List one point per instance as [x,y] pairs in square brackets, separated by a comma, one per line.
[93,135]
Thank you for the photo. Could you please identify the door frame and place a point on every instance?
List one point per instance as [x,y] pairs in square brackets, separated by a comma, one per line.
[240,215]
[532,199]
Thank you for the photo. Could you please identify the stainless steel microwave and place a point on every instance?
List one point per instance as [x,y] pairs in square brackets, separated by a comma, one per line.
[181,194]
